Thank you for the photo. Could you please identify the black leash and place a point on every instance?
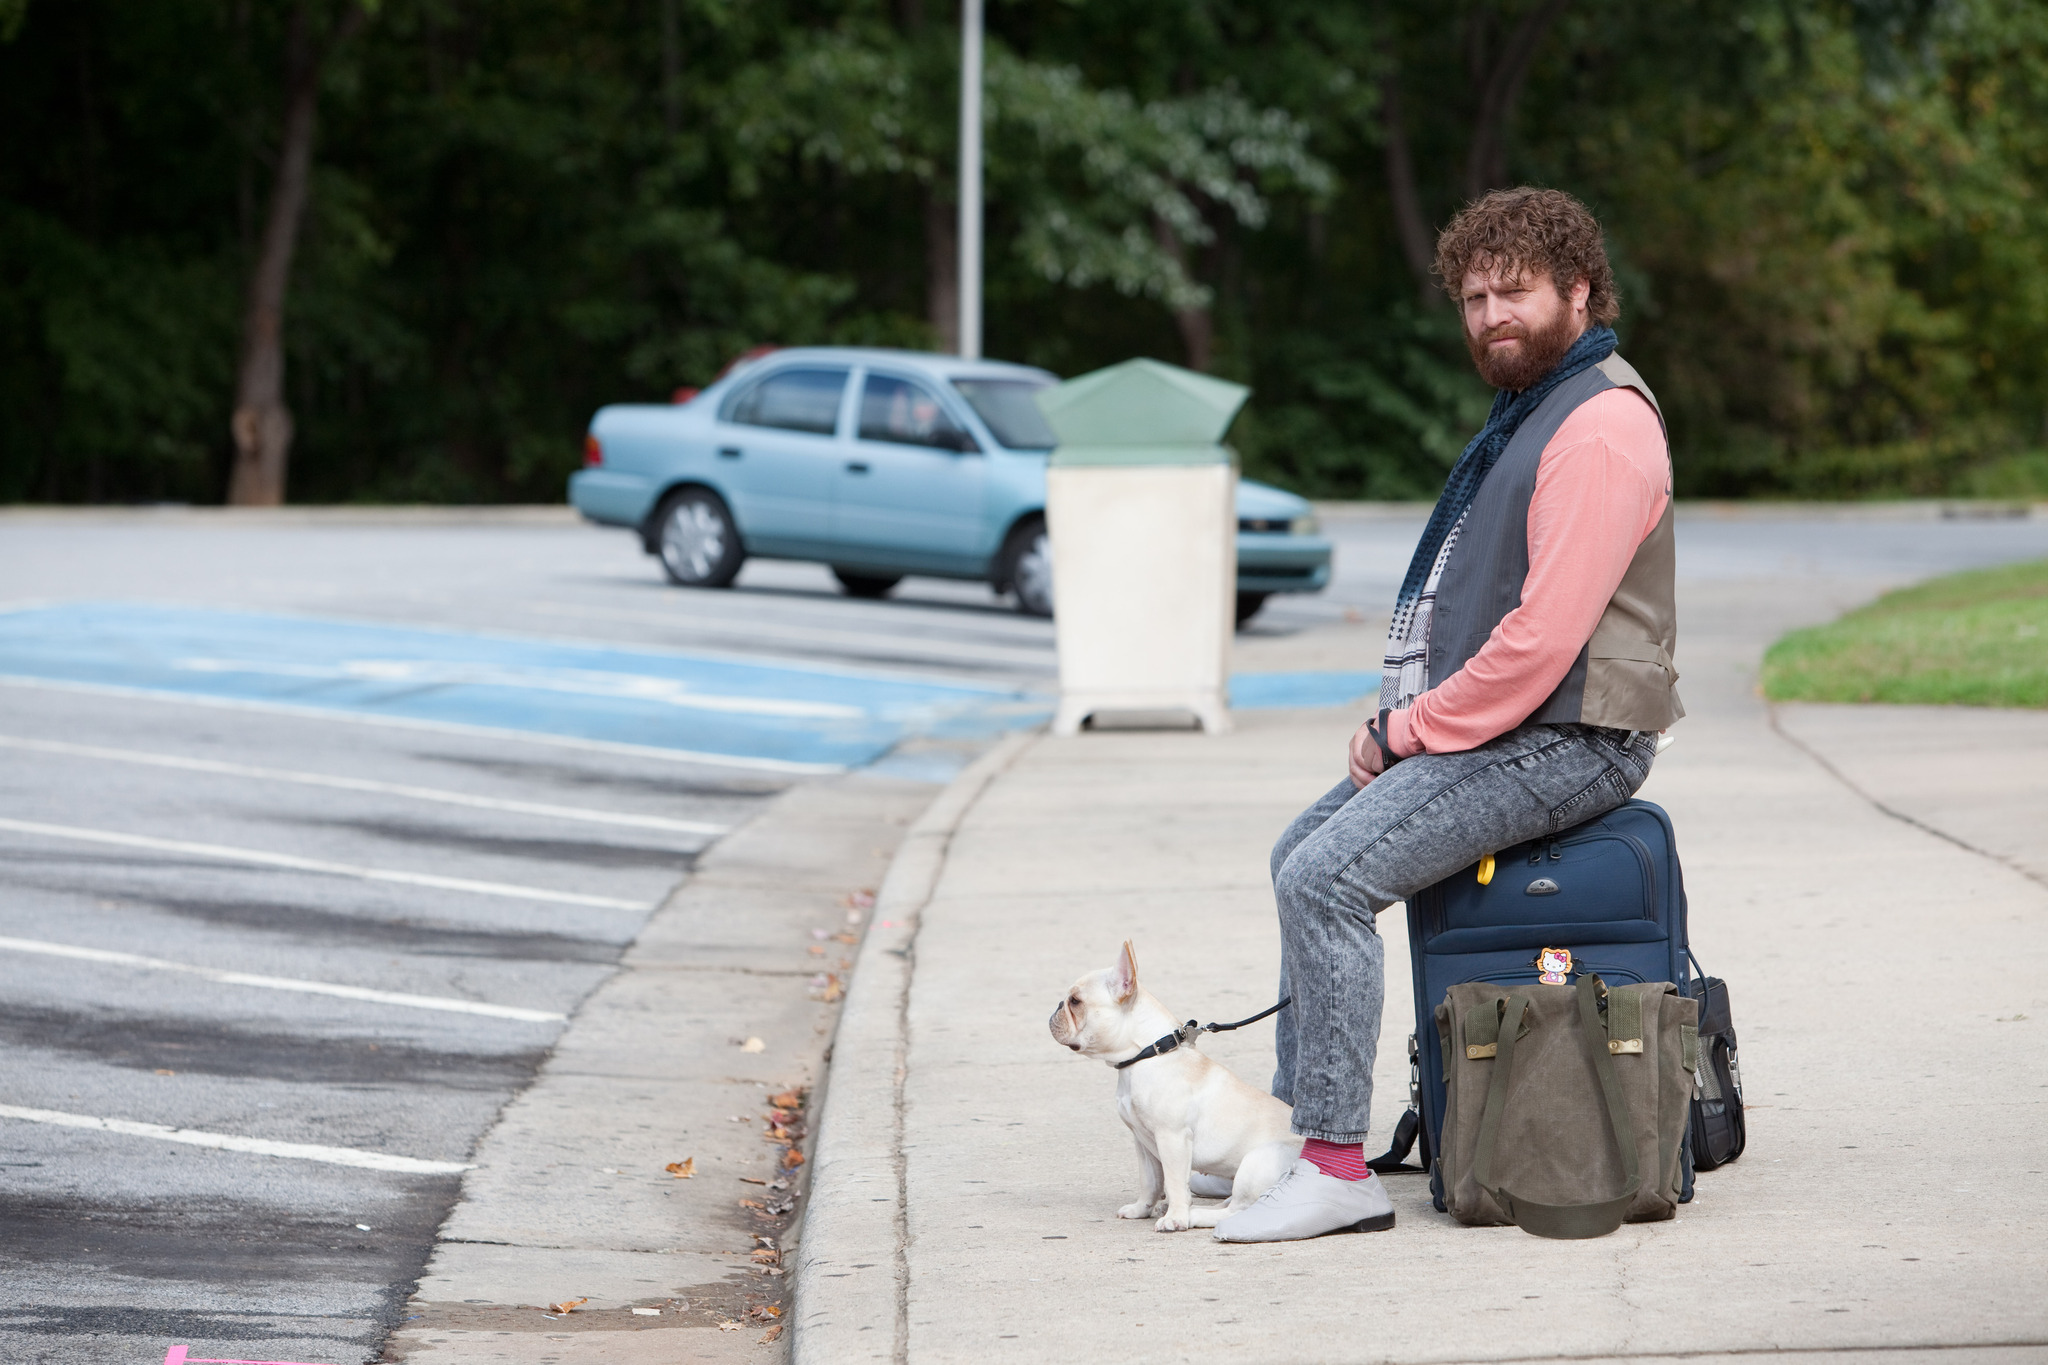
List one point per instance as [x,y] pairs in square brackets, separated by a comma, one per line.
[1187,1033]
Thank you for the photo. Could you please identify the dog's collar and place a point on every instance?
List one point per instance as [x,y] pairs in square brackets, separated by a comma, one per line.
[1191,1030]
[1170,1043]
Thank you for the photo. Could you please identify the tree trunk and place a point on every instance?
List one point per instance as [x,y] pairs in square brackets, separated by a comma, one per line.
[1486,161]
[262,424]
[942,268]
[1410,225]
[1197,328]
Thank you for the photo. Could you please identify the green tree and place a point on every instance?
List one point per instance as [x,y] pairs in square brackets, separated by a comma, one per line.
[1826,214]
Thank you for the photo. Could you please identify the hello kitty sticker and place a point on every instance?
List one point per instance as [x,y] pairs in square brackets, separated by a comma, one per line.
[1556,966]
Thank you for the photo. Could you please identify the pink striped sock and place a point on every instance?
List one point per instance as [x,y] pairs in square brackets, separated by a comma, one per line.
[1344,1160]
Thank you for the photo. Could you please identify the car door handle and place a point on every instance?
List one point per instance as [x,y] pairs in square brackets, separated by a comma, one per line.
[856,466]
[728,452]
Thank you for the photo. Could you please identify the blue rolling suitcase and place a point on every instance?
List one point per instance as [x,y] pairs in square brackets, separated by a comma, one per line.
[1606,897]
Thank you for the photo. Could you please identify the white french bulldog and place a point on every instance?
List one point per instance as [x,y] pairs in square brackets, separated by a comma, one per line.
[1188,1113]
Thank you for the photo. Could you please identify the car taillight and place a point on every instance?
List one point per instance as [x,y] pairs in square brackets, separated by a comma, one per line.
[593,451]
[684,394]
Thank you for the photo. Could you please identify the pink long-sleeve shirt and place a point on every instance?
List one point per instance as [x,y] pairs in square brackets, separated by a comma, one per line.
[1601,487]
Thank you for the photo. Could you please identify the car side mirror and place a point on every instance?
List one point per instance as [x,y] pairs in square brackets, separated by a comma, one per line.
[963,443]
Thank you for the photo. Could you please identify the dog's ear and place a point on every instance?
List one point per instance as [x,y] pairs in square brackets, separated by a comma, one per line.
[1124,977]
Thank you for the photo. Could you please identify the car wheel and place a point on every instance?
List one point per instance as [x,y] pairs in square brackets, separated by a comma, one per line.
[697,540]
[865,584]
[1248,604]
[1027,568]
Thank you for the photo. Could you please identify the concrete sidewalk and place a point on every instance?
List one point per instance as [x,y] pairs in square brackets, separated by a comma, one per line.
[1869,881]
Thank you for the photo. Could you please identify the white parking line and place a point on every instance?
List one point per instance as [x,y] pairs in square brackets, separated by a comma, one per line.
[363,784]
[443,727]
[279,983]
[285,860]
[228,1142]
[1027,654]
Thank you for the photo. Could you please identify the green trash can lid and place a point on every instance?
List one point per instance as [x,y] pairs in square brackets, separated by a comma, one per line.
[1142,403]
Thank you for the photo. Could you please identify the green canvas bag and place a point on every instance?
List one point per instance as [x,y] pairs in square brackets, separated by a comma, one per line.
[1565,1106]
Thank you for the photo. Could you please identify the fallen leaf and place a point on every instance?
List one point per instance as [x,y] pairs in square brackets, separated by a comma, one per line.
[765,1312]
[752,1180]
[833,994]
[776,1134]
[817,950]
[753,1045]
[685,1169]
[767,1255]
[845,938]
[788,1099]
[568,1306]
[792,1159]
[725,1326]
[770,1335]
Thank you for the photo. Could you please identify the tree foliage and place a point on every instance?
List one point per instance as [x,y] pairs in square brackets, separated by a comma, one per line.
[1826,216]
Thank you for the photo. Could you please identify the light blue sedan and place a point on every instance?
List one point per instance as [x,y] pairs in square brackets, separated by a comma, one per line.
[881,464]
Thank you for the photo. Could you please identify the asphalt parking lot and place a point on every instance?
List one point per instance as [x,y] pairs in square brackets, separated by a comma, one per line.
[314,829]
[472,926]
[305,871]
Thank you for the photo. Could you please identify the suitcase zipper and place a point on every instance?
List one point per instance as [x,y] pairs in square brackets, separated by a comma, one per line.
[1605,972]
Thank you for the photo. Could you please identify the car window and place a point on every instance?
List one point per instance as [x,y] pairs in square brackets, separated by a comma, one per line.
[1005,404]
[794,400]
[908,414]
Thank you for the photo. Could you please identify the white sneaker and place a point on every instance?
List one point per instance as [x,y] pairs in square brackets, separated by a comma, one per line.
[1307,1203]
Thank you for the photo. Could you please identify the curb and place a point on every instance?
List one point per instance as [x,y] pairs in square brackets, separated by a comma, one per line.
[851,1277]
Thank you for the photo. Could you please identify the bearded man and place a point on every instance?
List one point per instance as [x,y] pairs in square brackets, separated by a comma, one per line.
[1527,676]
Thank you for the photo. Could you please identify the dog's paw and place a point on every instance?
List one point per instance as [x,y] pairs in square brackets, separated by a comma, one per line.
[1142,1209]
[1171,1224]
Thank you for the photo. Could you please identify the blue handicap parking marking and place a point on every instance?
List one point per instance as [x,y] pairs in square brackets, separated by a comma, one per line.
[744,709]
[1274,691]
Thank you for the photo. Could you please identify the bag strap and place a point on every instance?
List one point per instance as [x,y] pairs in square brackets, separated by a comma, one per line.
[1595,1219]
[1395,1158]
[1394,1161]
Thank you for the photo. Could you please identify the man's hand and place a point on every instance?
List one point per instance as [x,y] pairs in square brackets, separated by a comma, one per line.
[1367,761]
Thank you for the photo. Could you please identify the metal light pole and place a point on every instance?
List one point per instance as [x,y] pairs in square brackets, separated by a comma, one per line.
[970,179]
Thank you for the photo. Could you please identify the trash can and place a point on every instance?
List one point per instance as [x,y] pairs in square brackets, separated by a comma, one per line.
[1141,509]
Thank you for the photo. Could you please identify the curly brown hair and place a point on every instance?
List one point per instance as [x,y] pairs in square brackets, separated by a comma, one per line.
[1528,230]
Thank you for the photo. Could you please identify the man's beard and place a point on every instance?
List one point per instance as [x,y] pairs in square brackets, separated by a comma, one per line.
[1537,355]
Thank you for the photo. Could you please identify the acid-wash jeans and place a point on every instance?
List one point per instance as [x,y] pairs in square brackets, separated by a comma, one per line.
[1359,850]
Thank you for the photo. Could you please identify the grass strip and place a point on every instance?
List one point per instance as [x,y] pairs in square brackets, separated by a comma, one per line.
[1969,639]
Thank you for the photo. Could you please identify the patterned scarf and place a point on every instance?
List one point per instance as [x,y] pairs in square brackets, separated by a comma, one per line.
[1405,671]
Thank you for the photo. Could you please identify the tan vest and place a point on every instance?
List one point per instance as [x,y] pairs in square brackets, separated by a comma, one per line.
[1624,676]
